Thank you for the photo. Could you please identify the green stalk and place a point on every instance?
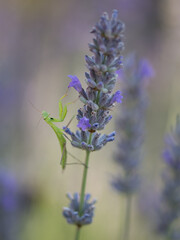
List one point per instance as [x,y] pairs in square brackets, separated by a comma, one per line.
[77,233]
[126,229]
[83,187]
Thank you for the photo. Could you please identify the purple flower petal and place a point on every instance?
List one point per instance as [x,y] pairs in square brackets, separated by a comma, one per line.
[117,97]
[75,83]
[84,123]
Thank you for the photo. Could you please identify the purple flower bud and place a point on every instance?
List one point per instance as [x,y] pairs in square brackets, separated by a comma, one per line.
[89,61]
[114,15]
[95,125]
[84,145]
[91,83]
[100,85]
[75,83]
[90,147]
[112,134]
[67,130]
[117,97]
[84,123]
[110,139]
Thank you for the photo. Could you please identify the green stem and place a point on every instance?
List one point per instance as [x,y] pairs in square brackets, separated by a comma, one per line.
[126,230]
[83,187]
[77,233]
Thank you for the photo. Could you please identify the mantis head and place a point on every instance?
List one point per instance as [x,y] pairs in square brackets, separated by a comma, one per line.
[45,115]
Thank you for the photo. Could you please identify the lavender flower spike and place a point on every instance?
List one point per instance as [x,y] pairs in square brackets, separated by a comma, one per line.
[75,83]
[168,213]
[98,98]
[130,123]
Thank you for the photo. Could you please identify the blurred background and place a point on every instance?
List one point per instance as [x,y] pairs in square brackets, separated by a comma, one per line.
[41,42]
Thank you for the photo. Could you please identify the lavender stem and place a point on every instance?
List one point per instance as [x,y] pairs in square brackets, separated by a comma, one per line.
[77,233]
[83,187]
[126,230]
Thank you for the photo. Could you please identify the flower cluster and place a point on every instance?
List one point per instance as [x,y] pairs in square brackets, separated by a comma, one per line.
[80,139]
[72,213]
[169,206]
[130,122]
[98,98]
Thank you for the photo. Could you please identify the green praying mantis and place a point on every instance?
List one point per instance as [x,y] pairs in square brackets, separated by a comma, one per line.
[59,132]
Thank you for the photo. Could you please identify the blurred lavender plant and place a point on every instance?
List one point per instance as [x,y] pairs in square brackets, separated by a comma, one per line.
[8,206]
[13,202]
[168,213]
[98,100]
[130,125]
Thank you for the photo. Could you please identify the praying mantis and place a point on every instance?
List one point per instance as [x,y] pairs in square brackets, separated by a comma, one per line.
[59,132]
